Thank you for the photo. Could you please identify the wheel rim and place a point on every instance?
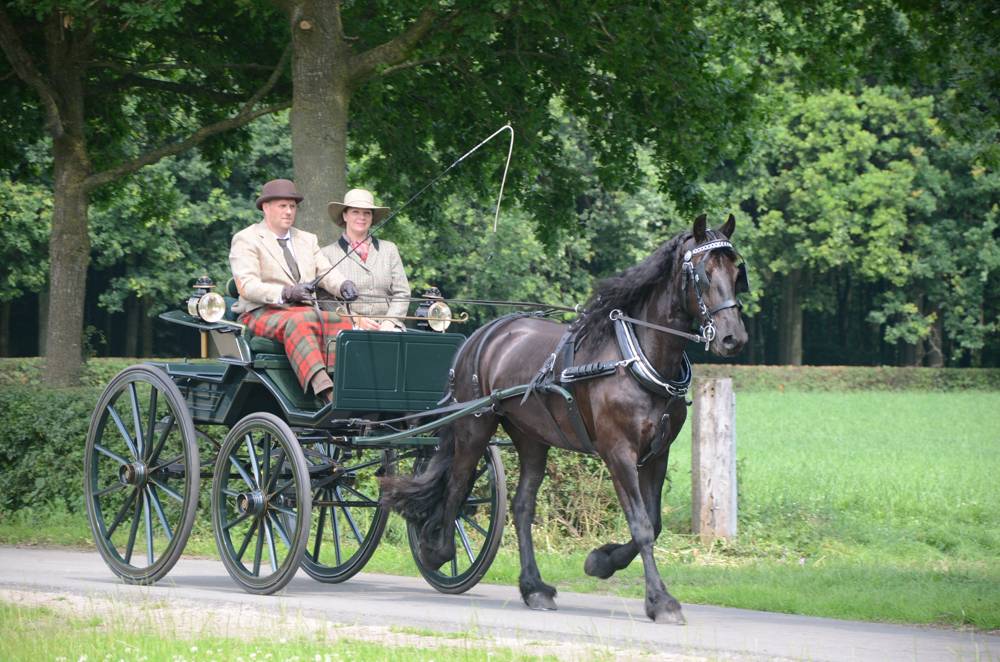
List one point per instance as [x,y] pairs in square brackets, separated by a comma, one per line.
[348,519]
[141,474]
[478,529]
[260,486]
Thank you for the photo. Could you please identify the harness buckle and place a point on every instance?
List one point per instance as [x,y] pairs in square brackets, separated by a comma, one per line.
[708,333]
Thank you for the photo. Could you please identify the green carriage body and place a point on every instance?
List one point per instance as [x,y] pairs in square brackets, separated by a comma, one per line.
[375,373]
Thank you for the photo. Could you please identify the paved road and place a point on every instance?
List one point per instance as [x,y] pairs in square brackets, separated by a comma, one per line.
[605,621]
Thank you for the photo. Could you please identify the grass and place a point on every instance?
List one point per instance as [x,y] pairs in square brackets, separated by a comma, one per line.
[863,505]
[35,633]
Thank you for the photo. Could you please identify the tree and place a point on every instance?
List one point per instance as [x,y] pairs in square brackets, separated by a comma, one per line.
[835,186]
[418,82]
[89,73]
[24,227]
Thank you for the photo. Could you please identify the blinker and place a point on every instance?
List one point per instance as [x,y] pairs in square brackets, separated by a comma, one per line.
[704,282]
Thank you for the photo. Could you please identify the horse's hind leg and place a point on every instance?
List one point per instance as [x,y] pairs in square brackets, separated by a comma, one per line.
[471,437]
[608,559]
[532,457]
[660,605]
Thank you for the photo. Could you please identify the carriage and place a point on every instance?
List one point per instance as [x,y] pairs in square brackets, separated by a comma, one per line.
[296,482]
[291,481]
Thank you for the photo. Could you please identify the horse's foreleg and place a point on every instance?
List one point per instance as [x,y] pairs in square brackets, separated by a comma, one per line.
[608,559]
[532,457]
[660,605]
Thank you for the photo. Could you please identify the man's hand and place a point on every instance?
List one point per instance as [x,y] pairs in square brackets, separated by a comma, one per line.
[348,290]
[298,293]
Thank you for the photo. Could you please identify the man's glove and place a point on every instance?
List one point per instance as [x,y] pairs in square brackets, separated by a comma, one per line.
[298,293]
[348,291]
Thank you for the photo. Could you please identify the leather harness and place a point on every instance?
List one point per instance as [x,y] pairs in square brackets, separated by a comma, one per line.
[548,382]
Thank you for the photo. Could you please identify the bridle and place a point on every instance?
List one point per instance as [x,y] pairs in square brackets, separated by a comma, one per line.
[694,272]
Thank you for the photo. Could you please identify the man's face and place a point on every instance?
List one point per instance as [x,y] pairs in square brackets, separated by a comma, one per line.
[358,220]
[279,215]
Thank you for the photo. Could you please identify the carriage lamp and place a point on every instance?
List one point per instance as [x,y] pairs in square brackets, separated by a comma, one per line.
[433,312]
[205,304]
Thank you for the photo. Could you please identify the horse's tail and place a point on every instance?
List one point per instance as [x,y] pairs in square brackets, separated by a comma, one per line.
[420,498]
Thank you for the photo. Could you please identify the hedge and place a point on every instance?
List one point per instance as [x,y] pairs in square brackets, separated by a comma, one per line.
[42,437]
[98,372]
[43,432]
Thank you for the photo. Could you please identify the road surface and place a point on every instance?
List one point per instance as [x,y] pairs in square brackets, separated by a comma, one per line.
[604,622]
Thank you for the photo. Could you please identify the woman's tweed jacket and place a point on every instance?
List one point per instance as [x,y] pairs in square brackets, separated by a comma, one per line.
[381,275]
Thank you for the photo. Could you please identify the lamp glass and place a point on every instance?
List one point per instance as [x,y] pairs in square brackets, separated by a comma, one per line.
[211,307]
[439,316]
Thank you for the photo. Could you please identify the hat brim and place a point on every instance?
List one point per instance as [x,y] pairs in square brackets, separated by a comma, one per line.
[336,211]
[267,198]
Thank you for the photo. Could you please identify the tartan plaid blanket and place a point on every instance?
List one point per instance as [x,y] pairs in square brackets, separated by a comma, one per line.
[298,329]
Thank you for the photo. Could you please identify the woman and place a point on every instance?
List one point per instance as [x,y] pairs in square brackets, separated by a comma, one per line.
[372,264]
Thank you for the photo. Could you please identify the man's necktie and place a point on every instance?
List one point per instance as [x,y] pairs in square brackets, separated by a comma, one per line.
[293,266]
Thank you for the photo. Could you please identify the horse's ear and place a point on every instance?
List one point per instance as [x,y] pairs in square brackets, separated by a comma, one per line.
[699,229]
[729,227]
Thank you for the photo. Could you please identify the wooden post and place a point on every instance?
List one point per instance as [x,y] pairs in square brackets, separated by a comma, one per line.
[713,460]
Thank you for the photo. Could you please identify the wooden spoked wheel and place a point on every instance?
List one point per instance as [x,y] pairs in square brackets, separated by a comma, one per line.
[261,503]
[478,529]
[141,474]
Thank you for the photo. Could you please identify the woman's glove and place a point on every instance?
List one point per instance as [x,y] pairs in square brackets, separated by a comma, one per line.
[348,291]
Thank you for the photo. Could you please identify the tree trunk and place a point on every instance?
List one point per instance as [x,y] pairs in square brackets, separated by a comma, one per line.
[935,350]
[146,322]
[131,326]
[790,320]
[69,243]
[69,257]
[321,98]
[43,318]
[5,328]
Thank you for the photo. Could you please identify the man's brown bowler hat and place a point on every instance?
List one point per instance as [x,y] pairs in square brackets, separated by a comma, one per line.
[278,189]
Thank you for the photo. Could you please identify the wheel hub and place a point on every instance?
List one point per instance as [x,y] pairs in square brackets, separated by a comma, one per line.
[251,502]
[134,473]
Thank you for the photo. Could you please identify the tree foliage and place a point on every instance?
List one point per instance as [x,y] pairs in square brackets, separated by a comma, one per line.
[865,188]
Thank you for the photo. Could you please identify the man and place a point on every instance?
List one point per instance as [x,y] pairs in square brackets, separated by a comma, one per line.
[373,264]
[273,264]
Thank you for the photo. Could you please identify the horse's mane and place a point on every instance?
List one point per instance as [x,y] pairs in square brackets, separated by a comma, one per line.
[628,290]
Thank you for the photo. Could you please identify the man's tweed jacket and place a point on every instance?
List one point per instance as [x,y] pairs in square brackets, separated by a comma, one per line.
[261,271]
[381,275]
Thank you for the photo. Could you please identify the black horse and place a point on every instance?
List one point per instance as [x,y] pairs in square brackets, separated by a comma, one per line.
[613,359]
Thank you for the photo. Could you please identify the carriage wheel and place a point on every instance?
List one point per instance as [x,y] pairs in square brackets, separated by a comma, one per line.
[260,485]
[478,529]
[348,518]
[141,474]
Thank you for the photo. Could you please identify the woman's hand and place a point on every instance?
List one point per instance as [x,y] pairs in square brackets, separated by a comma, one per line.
[365,324]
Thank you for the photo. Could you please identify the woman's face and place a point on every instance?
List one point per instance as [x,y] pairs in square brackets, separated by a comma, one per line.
[357,221]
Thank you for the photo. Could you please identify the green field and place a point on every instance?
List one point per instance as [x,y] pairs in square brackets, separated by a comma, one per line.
[866,505]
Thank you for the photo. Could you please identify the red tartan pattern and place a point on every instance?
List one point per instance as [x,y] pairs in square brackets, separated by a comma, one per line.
[298,329]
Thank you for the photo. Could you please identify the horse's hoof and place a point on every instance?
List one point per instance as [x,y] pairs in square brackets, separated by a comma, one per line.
[598,564]
[540,601]
[670,618]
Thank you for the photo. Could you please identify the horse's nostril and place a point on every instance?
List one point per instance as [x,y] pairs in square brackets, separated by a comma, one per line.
[729,342]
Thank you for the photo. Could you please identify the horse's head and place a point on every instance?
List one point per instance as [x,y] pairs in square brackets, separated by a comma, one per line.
[713,274]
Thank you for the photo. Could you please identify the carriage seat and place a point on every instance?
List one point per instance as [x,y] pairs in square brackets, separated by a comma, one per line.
[258,345]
